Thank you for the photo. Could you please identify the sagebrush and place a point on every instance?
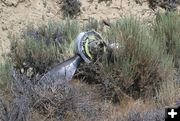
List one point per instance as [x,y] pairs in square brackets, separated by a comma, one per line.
[41,48]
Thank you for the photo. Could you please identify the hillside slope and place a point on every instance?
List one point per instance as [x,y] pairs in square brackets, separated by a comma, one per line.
[16,14]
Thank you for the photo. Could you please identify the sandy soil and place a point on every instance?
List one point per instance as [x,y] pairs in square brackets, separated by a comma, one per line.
[16,14]
[118,8]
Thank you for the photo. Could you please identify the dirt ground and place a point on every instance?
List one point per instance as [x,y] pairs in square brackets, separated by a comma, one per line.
[15,14]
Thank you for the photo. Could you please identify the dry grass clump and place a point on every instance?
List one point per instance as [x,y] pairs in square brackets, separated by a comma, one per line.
[150,115]
[70,102]
[168,93]
[42,47]
[134,111]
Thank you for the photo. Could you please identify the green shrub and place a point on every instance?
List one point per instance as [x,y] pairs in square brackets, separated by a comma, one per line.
[166,31]
[45,46]
[136,66]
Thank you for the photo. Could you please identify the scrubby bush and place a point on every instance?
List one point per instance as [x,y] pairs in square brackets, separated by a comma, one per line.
[71,8]
[166,4]
[135,66]
[168,93]
[68,102]
[43,47]
[166,31]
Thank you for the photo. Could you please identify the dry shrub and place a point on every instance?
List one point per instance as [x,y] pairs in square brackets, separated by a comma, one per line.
[136,69]
[71,8]
[136,66]
[166,31]
[166,4]
[136,111]
[151,115]
[26,99]
[70,101]
[43,47]
[168,93]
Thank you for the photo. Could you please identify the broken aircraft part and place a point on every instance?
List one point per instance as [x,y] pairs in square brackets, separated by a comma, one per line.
[59,75]
[87,44]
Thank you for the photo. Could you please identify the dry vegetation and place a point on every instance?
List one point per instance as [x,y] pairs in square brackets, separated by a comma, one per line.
[71,8]
[166,4]
[134,82]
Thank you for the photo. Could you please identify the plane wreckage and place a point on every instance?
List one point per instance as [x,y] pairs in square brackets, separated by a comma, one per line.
[87,44]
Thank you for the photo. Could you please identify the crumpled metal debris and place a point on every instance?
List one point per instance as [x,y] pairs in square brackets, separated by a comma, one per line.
[85,44]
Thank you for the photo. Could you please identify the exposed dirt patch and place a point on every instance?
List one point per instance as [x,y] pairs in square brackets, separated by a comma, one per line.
[16,14]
